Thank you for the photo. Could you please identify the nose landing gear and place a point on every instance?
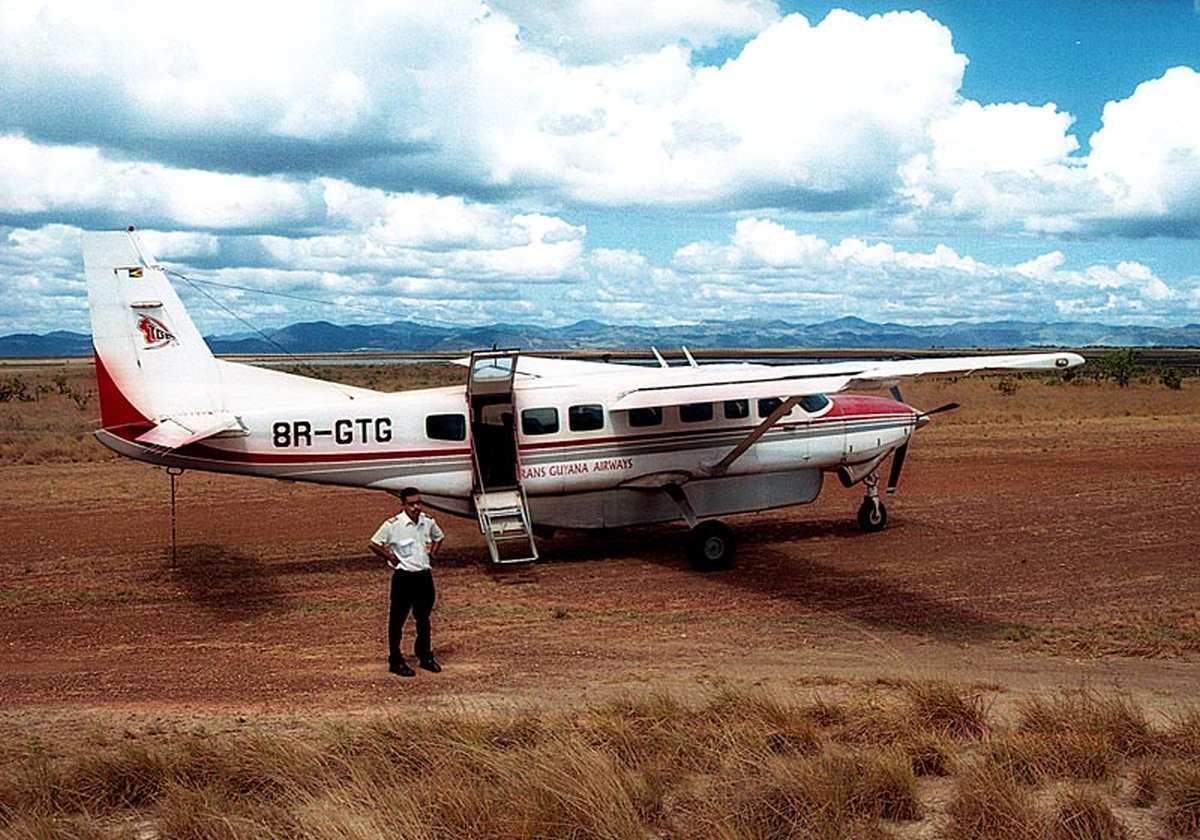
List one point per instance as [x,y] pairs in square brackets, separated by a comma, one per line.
[872,515]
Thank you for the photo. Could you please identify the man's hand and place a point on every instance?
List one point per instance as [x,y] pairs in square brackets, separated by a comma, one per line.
[386,553]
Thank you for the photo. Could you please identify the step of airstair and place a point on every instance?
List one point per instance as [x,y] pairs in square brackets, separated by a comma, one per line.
[504,522]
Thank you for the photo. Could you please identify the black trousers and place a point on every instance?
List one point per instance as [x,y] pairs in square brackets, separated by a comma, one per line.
[410,591]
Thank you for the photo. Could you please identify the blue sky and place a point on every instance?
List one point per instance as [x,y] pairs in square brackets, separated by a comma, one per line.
[466,162]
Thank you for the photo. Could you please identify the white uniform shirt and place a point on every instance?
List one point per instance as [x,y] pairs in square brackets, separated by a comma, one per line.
[409,541]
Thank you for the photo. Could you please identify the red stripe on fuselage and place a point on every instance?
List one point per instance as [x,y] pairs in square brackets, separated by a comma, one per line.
[200,450]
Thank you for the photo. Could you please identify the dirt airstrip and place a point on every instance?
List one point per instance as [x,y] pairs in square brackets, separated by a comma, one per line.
[1040,539]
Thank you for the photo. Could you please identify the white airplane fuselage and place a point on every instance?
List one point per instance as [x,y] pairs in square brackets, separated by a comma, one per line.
[573,479]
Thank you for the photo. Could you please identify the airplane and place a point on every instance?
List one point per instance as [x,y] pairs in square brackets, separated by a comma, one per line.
[528,445]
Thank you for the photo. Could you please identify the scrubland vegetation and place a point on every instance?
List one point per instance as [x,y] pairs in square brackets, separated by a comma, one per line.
[921,759]
[48,414]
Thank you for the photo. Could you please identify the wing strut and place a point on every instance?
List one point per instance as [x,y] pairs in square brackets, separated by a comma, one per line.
[761,429]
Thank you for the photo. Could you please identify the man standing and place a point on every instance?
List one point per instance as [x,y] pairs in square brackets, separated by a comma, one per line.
[407,542]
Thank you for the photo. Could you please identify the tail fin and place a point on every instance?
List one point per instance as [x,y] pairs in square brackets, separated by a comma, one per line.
[151,361]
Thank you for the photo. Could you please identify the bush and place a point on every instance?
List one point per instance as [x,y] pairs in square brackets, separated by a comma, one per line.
[15,389]
[1007,386]
[1119,365]
[1171,378]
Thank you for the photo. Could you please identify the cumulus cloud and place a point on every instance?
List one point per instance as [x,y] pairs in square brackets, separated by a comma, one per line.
[590,31]
[767,264]
[586,102]
[1015,165]
[453,99]
[1146,156]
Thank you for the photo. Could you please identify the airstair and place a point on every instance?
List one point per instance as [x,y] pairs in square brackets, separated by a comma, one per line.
[500,502]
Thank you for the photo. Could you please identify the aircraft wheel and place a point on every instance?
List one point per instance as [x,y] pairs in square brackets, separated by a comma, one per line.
[711,546]
[871,519]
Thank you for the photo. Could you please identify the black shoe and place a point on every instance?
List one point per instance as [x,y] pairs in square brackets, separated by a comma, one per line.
[402,669]
[430,664]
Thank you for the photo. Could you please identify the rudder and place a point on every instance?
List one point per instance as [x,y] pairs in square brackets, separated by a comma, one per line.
[151,361]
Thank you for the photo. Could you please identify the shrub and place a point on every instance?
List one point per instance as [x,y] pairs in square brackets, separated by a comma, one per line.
[1118,365]
[15,389]
[1171,378]
[1007,386]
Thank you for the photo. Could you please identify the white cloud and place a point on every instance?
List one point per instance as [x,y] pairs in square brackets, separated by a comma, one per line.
[807,115]
[42,179]
[762,267]
[1013,165]
[1146,155]
[603,30]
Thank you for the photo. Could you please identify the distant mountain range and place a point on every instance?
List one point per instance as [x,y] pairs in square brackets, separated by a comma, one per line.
[324,337]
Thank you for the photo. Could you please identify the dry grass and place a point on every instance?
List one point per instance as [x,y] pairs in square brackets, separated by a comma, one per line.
[1114,720]
[1144,782]
[740,764]
[1181,798]
[990,804]
[1080,814]
[947,710]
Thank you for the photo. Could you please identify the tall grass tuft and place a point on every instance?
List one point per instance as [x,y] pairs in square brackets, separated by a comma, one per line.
[1080,814]
[947,709]
[990,804]
[1181,798]
[1034,758]
[1114,720]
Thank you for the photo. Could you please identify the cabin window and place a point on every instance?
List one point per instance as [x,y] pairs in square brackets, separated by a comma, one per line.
[814,402]
[585,418]
[696,412]
[446,426]
[766,406]
[539,421]
[737,409]
[645,416]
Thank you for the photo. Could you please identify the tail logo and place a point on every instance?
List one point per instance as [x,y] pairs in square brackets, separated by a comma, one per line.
[155,333]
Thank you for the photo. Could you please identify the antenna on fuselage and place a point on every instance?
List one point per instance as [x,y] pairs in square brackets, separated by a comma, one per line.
[661,361]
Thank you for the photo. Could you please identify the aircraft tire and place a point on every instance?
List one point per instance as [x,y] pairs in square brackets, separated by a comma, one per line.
[712,546]
[870,520]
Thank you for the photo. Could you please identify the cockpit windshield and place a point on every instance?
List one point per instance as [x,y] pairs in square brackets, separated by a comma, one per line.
[813,403]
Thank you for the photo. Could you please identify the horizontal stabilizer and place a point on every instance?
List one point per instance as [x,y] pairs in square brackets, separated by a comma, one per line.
[173,434]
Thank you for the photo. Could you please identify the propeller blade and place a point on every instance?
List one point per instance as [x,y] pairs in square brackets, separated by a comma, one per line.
[897,465]
[941,408]
[895,392]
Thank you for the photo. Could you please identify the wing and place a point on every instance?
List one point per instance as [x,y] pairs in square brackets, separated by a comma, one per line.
[709,383]
[540,367]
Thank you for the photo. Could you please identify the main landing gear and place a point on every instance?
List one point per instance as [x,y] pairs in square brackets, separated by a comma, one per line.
[711,546]
[872,515]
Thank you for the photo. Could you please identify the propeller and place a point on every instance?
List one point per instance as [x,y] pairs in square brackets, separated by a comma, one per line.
[902,450]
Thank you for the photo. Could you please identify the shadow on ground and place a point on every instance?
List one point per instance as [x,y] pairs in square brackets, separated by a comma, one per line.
[226,583]
[816,587]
